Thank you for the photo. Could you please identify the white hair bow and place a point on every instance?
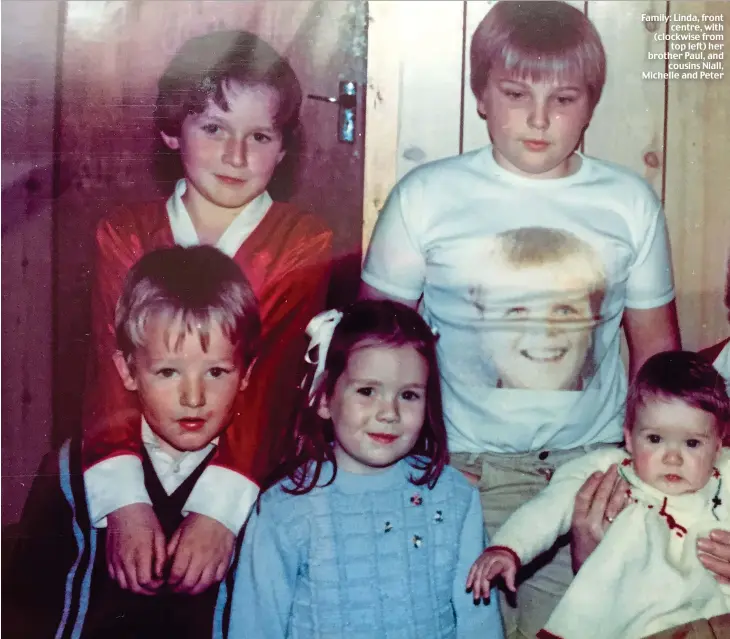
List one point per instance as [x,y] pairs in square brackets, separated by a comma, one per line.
[320,330]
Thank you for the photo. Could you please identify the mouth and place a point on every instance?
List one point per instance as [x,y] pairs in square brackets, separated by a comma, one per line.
[535,145]
[672,479]
[191,423]
[231,181]
[547,356]
[383,438]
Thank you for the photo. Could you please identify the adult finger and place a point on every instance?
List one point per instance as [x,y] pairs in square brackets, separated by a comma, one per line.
[619,499]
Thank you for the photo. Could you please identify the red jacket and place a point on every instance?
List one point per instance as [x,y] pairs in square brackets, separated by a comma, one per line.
[287,260]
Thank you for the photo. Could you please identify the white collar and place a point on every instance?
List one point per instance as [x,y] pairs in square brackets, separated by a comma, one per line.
[248,218]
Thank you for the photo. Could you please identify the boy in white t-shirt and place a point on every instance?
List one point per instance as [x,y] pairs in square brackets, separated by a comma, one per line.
[537,71]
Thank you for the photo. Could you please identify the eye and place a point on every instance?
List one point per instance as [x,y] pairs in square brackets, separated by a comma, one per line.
[654,439]
[218,371]
[410,396]
[693,443]
[565,310]
[166,372]
[365,391]
[564,100]
[517,311]
[513,94]
[211,128]
[262,138]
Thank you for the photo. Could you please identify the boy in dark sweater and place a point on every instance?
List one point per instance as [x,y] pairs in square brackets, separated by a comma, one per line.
[187,327]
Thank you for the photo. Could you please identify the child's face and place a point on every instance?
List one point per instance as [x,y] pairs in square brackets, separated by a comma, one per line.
[674,445]
[187,395]
[377,407]
[534,126]
[230,156]
[541,343]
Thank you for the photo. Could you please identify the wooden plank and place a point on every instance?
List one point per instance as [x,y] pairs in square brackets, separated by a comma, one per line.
[628,123]
[432,45]
[28,91]
[382,109]
[697,193]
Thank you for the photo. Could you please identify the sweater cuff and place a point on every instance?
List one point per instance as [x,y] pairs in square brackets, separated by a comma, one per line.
[223,495]
[113,483]
[509,550]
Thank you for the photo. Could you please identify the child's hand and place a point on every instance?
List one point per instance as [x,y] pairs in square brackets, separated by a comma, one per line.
[201,549]
[491,563]
[135,548]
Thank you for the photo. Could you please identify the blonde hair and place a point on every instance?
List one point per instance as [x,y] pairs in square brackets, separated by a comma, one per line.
[540,246]
[539,40]
[199,286]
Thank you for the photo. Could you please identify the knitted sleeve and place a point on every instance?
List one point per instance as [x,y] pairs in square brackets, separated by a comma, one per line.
[266,576]
[481,620]
[535,526]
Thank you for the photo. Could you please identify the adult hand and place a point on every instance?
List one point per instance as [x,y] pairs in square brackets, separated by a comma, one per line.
[135,548]
[201,549]
[714,553]
[599,501]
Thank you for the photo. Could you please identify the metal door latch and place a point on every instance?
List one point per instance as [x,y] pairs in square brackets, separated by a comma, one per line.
[347,101]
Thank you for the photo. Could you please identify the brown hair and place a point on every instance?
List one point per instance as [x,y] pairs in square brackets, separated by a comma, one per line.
[538,40]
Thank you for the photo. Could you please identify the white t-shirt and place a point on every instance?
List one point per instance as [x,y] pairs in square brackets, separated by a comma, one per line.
[526,282]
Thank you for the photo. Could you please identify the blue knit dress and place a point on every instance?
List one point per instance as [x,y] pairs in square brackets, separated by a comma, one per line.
[369,556]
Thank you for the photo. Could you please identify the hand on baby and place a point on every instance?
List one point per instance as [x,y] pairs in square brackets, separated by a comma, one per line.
[137,552]
[492,563]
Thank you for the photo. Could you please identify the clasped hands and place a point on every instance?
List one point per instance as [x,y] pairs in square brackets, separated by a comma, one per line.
[139,558]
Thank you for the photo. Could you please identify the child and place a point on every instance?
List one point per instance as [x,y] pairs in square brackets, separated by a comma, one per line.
[368,534]
[229,104]
[187,327]
[645,575]
[537,71]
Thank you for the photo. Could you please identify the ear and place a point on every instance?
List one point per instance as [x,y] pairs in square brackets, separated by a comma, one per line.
[323,410]
[171,142]
[627,439]
[247,376]
[280,157]
[124,372]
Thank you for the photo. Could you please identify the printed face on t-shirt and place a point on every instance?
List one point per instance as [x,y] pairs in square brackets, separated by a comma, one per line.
[539,317]
[674,445]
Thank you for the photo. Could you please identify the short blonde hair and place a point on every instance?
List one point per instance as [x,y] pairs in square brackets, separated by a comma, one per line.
[539,40]
[201,287]
[540,246]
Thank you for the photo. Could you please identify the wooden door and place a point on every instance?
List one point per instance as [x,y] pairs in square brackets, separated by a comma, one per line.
[113,54]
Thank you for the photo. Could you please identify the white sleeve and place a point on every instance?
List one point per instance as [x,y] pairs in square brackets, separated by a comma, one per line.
[113,483]
[395,263]
[651,281]
[224,495]
[535,526]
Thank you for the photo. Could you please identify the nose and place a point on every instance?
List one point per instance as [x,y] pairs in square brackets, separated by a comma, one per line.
[672,457]
[388,411]
[192,393]
[234,153]
[539,118]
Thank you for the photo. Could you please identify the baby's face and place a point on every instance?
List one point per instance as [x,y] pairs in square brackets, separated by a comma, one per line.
[541,342]
[674,445]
